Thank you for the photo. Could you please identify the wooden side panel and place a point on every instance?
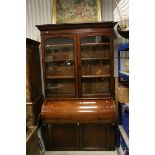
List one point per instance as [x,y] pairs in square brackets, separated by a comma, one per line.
[33,71]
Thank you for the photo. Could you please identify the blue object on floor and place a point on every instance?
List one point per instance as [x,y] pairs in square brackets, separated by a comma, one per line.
[126,121]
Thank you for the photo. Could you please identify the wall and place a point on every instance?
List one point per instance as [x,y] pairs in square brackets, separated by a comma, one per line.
[107,10]
[37,12]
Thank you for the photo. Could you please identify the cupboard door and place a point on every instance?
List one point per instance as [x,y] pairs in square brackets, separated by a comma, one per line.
[97,137]
[60,66]
[95,60]
[61,137]
[93,137]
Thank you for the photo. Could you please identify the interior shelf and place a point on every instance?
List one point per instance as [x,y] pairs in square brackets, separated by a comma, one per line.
[60,45]
[97,94]
[95,76]
[94,44]
[60,77]
[85,59]
[124,135]
[58,60]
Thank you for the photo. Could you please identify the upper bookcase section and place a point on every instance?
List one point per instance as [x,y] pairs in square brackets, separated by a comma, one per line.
[78,60]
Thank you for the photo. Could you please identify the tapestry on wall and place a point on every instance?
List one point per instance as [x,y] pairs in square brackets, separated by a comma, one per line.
[76,11]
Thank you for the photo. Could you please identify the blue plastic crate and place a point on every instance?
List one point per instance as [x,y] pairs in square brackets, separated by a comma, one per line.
[126,121]
[122,143]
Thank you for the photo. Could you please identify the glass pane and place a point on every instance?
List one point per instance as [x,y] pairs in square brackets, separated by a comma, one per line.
[92,67]
[60,87]
[95,51]
[58,49]
[95,39]
[65,68]
[95,62]
[59,66]
[95,86]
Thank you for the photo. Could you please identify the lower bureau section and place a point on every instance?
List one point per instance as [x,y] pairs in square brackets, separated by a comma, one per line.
[79,136]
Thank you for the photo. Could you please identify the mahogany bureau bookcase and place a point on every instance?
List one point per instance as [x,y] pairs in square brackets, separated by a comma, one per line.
[78,65]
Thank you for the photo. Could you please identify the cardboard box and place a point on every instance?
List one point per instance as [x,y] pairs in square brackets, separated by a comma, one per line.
[123,94]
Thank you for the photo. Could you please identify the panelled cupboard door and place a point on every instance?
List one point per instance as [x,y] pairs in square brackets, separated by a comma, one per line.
[95,57]
[93,137]
[59,61]
[97,137]
[61,137]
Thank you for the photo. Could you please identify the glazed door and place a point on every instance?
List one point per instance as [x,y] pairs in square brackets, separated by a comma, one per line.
[95,61]
[59,66]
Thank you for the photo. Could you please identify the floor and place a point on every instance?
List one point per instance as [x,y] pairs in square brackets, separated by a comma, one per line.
[81,153]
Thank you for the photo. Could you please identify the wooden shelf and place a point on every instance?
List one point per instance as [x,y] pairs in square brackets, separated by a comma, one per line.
[59,45]
[60,77]
[63,66]
[95,94]
[95,76]
[94,44]
[124,135]
[87,59]
[59,60]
